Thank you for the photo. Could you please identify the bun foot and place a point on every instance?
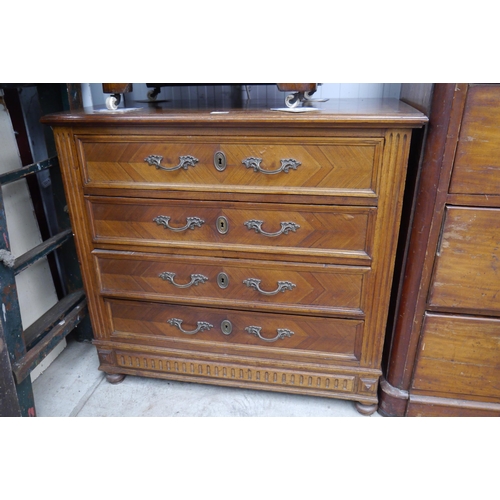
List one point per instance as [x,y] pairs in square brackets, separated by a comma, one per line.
[114,378]
[366,409]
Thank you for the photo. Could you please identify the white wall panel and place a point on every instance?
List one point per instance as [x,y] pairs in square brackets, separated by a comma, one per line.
[219,95]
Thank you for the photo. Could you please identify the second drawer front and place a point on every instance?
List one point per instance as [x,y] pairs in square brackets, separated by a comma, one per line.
[344,232]
[309,289]
[246,333]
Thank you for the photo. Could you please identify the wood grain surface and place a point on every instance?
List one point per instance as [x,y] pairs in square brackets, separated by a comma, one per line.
[342,232]
[335,339]
[312,289]
[458,356]
[477,162]
[336,166]
[467,269]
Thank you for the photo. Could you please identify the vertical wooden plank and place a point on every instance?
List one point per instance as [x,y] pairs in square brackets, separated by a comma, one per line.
[9,404]
[10,320]
[447,107]
[75,94]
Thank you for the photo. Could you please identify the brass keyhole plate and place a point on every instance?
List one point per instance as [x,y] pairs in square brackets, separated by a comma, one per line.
[222,225]
[227,327]
[223,280]
[220,162]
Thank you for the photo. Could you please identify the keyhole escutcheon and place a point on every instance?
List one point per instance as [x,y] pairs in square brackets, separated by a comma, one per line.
[223,280]
[222,225]
[220,162]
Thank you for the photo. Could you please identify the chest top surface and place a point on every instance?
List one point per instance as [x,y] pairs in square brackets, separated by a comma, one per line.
[333,113]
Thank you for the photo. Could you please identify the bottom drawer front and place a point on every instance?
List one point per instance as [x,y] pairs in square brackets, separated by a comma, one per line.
[459,355]
[238,332]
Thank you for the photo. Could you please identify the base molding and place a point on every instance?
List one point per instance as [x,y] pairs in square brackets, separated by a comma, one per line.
[343,383]
[392,401]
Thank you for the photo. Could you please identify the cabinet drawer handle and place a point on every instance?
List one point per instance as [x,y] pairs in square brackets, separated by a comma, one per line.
[196,279]
[282,286]
[282,333]
[191,223]
[202,326]
[184,162]
[285,227]
[286,165]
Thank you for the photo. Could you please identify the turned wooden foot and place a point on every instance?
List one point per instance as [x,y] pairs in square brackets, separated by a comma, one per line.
[366,409]
[114,378]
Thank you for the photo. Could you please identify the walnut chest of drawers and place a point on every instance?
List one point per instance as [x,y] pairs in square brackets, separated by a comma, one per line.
[249,247]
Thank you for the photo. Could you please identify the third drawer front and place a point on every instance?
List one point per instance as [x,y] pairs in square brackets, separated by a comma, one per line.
[286,230]
[300,288]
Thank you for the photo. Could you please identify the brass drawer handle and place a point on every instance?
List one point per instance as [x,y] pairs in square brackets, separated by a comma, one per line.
[282,286]
[282,333]
[202,326]
[286,165]
[285,227]
[191,223]
[196,279]
[184,162]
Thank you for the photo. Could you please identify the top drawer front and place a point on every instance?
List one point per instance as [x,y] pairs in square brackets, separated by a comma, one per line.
[477,162]
[335,166]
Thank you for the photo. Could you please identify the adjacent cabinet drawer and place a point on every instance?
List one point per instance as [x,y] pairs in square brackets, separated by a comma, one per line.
[477,162]
[347,166]
[459,356]
[467,270]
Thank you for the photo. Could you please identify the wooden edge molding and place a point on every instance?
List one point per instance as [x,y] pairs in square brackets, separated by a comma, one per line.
[431,406]
[392,401]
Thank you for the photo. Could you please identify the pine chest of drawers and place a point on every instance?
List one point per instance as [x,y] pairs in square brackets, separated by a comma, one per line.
[249,248]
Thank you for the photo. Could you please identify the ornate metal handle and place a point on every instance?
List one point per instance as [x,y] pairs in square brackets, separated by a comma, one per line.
[202,326]
[184,162]
[195,279]
[286,165]
[285,227]
[282,333]
[191,223]
[255,284]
